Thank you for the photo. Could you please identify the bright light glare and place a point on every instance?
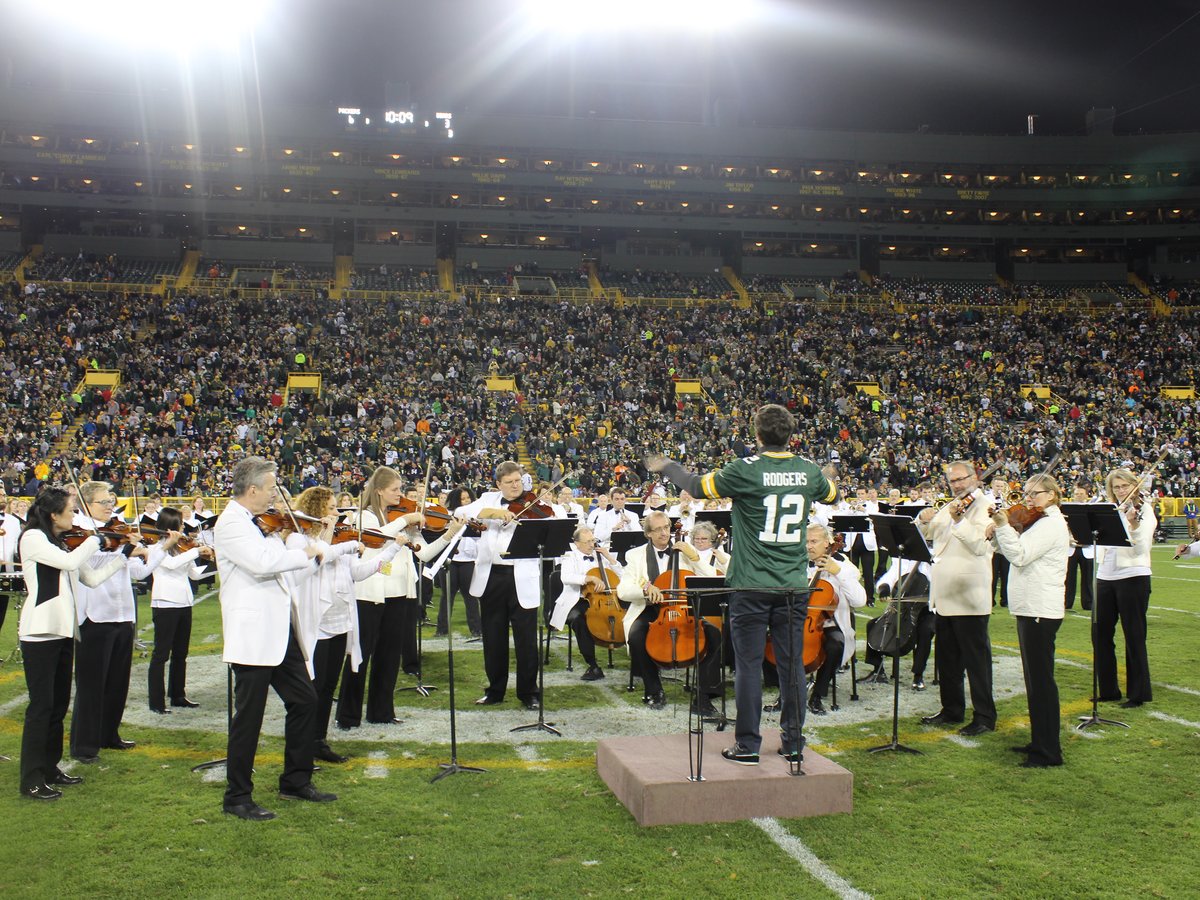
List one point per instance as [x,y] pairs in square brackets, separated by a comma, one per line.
[142,21]
[575,16]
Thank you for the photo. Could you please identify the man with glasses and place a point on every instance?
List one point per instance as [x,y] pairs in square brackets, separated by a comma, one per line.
[960,594]
[107,616]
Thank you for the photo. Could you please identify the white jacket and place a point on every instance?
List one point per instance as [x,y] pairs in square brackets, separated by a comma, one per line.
[573,572]
[637,573]
[492,546]
[1038,576]
[399,579]
[172,584]
[256,601]
[1137,556]
[960,581]
[51,578]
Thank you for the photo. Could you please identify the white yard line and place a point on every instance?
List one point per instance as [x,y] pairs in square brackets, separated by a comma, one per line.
[794,847]
[1161,716]
[376,770]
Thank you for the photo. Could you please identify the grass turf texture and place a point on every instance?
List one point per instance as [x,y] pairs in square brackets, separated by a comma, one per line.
[1119,820]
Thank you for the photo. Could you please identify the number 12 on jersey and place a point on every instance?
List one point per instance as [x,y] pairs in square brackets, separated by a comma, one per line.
[786,514]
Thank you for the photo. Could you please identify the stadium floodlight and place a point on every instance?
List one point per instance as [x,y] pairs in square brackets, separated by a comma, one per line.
[153,22]
[575,16]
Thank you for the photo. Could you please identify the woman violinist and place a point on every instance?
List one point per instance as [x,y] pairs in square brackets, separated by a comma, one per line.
[579,565]
[462,566]
[47,632]
[333,639]
[843,576]
[171,600]
[1038,557]
[1123,593]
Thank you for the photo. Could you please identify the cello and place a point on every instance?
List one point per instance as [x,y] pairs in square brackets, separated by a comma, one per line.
[673,639]
[821,603]
[604,613]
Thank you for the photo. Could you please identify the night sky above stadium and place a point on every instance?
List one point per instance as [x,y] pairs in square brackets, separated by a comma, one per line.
[978,66]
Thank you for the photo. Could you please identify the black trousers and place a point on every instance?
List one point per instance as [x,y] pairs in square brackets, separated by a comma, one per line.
[48,680]
[3,609]
[1036,638]
[460,582]
[1078,563]
[926,626]
[396,649]
[1126,599]
[864,559]
[648,670]
[250,683]
[835,646]
[1000,567]
[577,619]
[499,610]
[172,636]
[354,684]
[327,667]
[963,647]
[751,614]
[103,661]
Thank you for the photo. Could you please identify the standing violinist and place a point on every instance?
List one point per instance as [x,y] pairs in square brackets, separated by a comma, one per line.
[106,615]
[571,608]
[384,608]
[772,493]
[508,590]
[1000,563]
[1039,567]
[643,566]
[1123,593]
[843,576]
[960,595]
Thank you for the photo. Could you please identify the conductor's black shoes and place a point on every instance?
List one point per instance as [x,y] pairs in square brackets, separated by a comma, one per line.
[740,755]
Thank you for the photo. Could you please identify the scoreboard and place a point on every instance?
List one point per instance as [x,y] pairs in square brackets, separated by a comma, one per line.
[396,121]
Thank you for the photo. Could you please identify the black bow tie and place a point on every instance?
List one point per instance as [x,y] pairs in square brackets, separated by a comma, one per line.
[589,558]
[663,554]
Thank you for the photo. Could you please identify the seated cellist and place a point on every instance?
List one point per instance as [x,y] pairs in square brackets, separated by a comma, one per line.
[839,629]
[571,608]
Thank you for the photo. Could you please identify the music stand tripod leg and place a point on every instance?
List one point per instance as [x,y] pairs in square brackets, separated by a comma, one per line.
[452,767]
[541,724]
[214,763]
[1086,722]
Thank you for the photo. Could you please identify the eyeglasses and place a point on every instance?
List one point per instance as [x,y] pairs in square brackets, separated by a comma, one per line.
[109,501]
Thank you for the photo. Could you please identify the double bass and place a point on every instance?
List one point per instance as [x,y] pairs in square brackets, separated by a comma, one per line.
[605,617]
[673,639]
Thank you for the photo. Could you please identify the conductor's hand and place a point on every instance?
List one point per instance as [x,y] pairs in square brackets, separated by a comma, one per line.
[655,462]
[653,594]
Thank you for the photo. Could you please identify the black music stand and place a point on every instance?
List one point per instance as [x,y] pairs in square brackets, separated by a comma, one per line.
[899,536]
[421,687]
[540,539]
[213,763]
[621,542]
[1100,525]
[711,592]
[721,519]
[638,509]
[452,767]
[856,523]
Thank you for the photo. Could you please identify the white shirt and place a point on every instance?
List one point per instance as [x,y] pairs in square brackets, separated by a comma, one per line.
[171,587]
[575,567]
[112,599]
[611,520]
[847,585]
[1037,578]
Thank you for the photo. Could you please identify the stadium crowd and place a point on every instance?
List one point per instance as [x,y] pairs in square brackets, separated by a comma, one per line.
[203,381]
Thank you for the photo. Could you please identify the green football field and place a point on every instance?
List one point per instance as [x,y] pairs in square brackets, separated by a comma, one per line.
[1120,819]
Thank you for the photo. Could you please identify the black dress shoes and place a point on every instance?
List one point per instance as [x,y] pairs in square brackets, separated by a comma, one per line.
[773,707]
[593,673]
[1112,699]
[532,704]
[185,702]
[940,719]
[63,778]
[485,700]
[251,812]
[160,710]
[121,745]
[309,793]
[704,707]
[656,701]
[816,707]
[326,754]
[975,728]
[1132,704]
[1025,748]
[1038,764]
[40,792]
[86,760]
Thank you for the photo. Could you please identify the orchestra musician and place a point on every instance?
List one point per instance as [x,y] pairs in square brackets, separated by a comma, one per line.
[508,591]
[863,547]
[171,600]
[771,492]
[1123,593]
[603,502]
[846,581]
[462,564]
[642,566]
[107,616]
[47,631]
[571,509]
[1039,568]
[685,511]
[15,511]
[570,608]
[262,642]
[959,594]
[616,517]
[1080,564]
[704,538]
[1000,564]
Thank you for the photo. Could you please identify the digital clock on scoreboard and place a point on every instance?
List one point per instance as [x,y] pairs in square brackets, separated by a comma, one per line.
[403,121]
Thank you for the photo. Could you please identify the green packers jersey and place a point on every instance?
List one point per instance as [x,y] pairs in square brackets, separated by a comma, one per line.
[772,494]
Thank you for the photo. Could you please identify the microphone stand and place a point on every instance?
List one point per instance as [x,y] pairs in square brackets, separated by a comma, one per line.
[452,767]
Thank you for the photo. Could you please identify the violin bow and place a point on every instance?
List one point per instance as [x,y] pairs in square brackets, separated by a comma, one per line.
[79,493]
[537,496]
[1141,479]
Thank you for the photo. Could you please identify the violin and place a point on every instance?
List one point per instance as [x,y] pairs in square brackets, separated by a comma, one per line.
[530,506]
[272,522]
[605,618]
[109,540]
[371,539]
[1021,515]
[673,639]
